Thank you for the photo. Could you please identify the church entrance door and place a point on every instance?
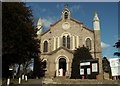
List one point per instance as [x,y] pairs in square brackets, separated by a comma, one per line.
[62,66]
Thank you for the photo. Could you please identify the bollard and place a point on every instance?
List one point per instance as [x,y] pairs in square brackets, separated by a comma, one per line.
[19,81]
[96,77]
[8,81]
[25,77]
[82,77]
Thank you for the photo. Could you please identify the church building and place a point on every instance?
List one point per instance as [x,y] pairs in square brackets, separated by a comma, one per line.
[62,38]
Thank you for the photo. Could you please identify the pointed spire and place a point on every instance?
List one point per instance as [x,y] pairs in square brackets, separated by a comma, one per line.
[39,22]
[96,16]
[39,26]
[96,22]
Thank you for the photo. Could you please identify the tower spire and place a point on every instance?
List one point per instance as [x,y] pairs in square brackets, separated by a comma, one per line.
[39,26]
[96,22]
[96,16]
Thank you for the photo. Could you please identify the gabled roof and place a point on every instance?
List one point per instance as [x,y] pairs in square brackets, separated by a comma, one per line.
[81,23]
[76,20]
[64,48]
[45,32]
[88,28]
[51,26]
[56,22]
[70,19]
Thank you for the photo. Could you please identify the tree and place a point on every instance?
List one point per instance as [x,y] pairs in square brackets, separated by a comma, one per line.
[39,68]
[80,54]
[117,45]
[19,35]
[106,65]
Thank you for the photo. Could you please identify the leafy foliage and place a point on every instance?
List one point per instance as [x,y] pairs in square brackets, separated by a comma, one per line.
[117,45]
[19,35]
[80,54]
[39,68]
[106,65]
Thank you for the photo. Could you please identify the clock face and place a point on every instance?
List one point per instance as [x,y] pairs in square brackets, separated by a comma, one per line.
[65,25]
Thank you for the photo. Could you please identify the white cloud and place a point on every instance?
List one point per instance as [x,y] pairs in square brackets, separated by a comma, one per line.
[74,8]
[104,45]
[48,21]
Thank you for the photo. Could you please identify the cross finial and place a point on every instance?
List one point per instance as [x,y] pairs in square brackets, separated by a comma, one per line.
[66,5]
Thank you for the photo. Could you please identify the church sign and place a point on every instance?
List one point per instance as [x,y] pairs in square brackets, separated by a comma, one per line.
[85,63]
[89,67]
[88,71]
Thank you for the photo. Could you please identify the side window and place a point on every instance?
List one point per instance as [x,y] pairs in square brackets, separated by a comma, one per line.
[88,43]
[45,46]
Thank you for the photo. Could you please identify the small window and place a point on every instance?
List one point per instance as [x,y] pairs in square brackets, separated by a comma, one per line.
[66,15]
[88,43]
[45,46]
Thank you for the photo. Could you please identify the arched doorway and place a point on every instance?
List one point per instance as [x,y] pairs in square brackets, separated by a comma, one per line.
[62,65]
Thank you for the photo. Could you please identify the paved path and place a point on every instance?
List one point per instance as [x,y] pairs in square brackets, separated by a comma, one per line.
[33,81]
[53,82]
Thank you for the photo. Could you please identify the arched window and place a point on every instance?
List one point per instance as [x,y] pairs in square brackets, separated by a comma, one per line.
[68,42]
[64,41]
[66,15]
[88,43]
[45,46]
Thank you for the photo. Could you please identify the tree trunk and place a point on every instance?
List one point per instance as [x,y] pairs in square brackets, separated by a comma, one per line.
[18,71]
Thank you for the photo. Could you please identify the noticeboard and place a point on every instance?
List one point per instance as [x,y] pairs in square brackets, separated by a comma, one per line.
[81,71]
[94,67]
[88,71]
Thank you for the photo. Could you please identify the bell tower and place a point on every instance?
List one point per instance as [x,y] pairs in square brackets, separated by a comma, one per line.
[97,43]
[66,13]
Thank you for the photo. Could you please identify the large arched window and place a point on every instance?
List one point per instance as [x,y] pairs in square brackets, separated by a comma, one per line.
[88,43]
[64,41]
[45,46]
[68,42]
[66,15]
